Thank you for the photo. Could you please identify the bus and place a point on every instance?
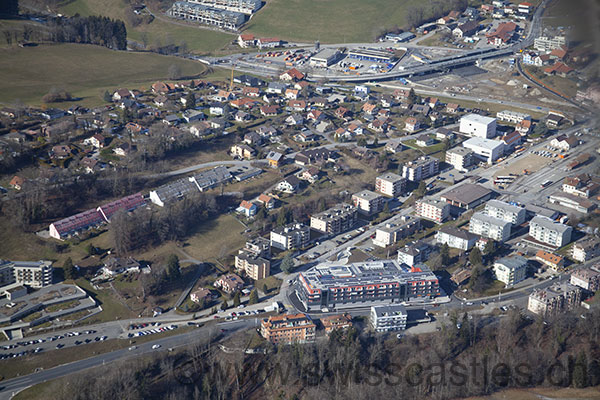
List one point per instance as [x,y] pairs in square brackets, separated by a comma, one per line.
[546,183]
[504,180]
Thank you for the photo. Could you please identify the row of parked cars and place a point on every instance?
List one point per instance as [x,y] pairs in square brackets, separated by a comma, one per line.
[48,339]
[152,331]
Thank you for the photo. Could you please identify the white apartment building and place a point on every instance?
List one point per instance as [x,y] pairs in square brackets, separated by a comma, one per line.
[586,249]
[35,274]
[433,210]
[556,298]
[391,233]
[586,278]
[478,126]
[390,184]
[456,238]
[388,318]
[511,270]
[548,231]
[489,227]
[506,212]
[335,220]
[547,44]
[486,149]
[422,168]
[460,158]
[368,202]
[292,236]
[512,116]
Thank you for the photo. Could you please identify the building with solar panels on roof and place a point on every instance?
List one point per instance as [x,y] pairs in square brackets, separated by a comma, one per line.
[331,285]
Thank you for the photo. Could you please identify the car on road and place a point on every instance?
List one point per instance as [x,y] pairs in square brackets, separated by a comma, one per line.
[155,346]
[469,303]
[132,348]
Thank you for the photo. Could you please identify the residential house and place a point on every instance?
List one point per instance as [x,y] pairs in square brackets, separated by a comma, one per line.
[267,201]
[201,295]
[242,151]
[275,159]
[456,238]
[412,124]
[424,141]
[310,174]
[247,208]
[229,283]
[552,260]
[290,184]
[292,75]
[115,266]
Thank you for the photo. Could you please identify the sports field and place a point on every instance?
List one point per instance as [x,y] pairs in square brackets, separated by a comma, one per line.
[84,70]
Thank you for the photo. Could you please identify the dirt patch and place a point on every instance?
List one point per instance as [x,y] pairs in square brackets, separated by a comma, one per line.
[532,163]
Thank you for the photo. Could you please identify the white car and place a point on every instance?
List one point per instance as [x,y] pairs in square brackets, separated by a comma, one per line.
[156,346]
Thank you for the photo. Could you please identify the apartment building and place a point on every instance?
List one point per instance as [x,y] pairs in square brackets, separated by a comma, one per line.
[546,230]
[587,279]
[35,274]
[547,44]
[259,246]
[333,322]
[460,158]
[433,210]
[337,219]
[511,270]
[556,298]
[586,249]
[291,236]
[390,184]
[388,318]
[422,168]
[240,6]
[487,150]
[391,233]
[202,14]
[368,202]
[505,211]
[478,126]
[288,328]
[456,238]
[512,116]
[413,254]
[489,227]
[254,266]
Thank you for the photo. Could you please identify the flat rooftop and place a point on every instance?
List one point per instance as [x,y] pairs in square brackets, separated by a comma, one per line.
[484,143]
[467,193]
[478,119]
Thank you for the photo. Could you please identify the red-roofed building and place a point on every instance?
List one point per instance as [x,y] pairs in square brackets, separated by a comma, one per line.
[16,182]
[502,34]
[524,127]
[246,40]
[559,69]
[292,75]
[511,139]
[128,203]
[75,224]
[230,283]
[268,42]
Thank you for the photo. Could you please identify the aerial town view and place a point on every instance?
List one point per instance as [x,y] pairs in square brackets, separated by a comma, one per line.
[300,199]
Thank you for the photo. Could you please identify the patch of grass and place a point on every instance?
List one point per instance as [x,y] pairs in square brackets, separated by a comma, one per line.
[217,239]
[272,282]
[111,308]
[32,317]
[62,306]
[86,71]
[333,21]
[162,30]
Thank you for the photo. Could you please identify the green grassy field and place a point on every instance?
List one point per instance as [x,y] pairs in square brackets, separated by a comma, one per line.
[159,31]
[332,21]
[84,70]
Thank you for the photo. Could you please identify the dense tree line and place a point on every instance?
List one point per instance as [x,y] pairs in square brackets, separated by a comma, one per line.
[131,231]
[9,7]
[432,10]
[98,30]
[467,358]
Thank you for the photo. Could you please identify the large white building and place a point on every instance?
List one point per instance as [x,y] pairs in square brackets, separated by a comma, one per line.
[586,249]
[390,184]
[511,270]
[292,236]
[512,116]
[240,6]
[556,298]
[586,278]
[460,158]
[36,274]
[456,238]
[325,58]
[547,44]
[486,149]
[422,168]
[478,126]
[504,211]
[489,227]
[392,317]
[368,202]
[548,231]
[433,210]
[200,13]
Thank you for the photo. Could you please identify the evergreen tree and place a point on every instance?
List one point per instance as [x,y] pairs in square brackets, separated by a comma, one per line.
[287,264]
[190,100]
[445,255]
[475,256]
[580,371]
[253,299]
[490,248]
[236,299]
[224,305]
[421,190]
[386,208]
[69,269]
[282,217]
[173,268]
[593,373]
[107,97]
[412,96]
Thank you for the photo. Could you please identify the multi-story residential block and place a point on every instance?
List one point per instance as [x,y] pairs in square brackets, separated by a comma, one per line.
[391,233]
[547,44]
[390,184]
[489,227]
[460,158]
[587,279]
[335,220]
[413,254]
[456,238]
[254,266]
[388,318]
[368,202]
[478,125]
[433,210]
[546,230]
[422,168]
[586,249]
[506,212]
[338,286]
[241,6]
[259,246]
[511,270]
[512,116]
[291,236]
[288,328]
[35,274]
[207,15]
[333,322]
[556,298]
